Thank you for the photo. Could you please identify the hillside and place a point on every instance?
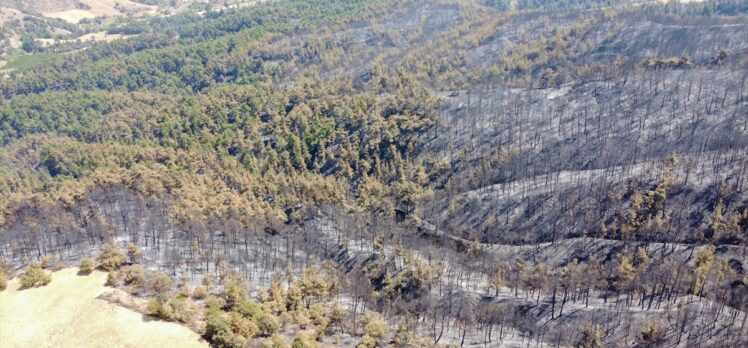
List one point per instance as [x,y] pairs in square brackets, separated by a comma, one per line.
[70,313]
[477,173]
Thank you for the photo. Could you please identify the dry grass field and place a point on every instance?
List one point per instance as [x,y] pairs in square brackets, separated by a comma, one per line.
[97,36]
[72,16]
[96,8]
[67,313]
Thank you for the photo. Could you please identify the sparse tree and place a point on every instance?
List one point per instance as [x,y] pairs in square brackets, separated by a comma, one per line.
[591,337]
[134,252]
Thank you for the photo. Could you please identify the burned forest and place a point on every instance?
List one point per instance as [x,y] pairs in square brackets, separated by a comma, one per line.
[376,173]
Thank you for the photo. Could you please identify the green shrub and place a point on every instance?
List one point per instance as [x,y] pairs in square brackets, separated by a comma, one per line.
[183,309]
[161,283]
[592,337]
[134,252]
[275,341]
[317,315]
[267,323]
[133,275]
[403,335]
[87,266]
[111,278]
[47,261]
[34,275]
[199,293]
[207,281]
[248,308]
[57,265]
[234,290]
[111,257]
[219,333]
[304,340]
[158,307]
[3,279]
[214,303]
[243,326]
[367,342]
[171,308]
[375,327]
[335,316]
[185,291]
[652,334]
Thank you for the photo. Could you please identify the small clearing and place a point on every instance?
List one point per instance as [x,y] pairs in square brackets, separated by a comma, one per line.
[97,36]
[72,16]
[100,8]
[68,313]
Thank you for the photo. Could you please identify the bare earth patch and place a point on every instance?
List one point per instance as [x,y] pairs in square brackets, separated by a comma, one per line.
[97,36]
[67,313]
[96,8]
[72,16]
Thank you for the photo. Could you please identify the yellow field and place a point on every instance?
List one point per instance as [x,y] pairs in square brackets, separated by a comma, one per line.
[96,8]
[72,16]
[97,36]
[66,313]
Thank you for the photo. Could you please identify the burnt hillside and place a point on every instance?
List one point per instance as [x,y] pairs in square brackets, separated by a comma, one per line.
[477,173]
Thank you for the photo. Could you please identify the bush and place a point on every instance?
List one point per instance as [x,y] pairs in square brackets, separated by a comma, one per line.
[183,309]
[208,281]
[375,327]
[111,278]
[591,338]
[367,342]
[170,308]
[403,335]
[301,317]
[267,323]
[133,252]
[34,275]
[111,257]
[243,326]
[57,265]
[234,290]
[304,340]
[3,277]
[185,291]
[199,293]
[275,341]
[317,315]
[335,316]
[652,334]
[87,266]
[158,307]
[249,309]
[218,331]
[161,283]
[133,275]
[214,303]
[47,261]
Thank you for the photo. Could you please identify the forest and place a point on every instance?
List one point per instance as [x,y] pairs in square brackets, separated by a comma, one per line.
[370,173]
